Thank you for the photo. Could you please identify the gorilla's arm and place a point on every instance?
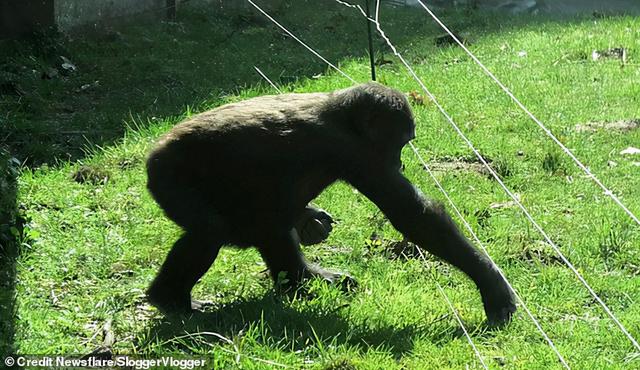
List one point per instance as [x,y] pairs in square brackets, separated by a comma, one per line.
[422,221]
[426,223]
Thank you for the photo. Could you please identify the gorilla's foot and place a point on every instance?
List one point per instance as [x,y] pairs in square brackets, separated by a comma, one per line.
[170,302]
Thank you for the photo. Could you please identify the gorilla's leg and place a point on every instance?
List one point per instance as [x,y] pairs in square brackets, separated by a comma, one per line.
[282,254]
[314,225]
[189,259]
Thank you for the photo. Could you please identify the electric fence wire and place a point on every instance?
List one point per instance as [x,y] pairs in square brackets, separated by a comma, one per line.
[481,158]
[486,252]
[537,324]
[300,41]
[442,292]
[470,229]
[535,119]
[564,259]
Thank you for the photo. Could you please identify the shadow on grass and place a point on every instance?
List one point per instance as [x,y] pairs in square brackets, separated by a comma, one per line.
[61,93]
[147,71]
[281,326]
[10,230]
[8,257]
[285,327]
[51,112]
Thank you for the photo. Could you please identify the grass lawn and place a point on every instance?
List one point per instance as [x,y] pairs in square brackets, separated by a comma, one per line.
[93,238]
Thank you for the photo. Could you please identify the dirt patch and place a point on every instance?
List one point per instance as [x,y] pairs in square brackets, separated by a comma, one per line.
[447,164]
[448,40]
[622,126]
[540,252]
[91,175]
[459,166]
[402,250]
[614,53]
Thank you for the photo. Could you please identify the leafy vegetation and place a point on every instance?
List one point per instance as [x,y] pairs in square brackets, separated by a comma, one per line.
[94,238]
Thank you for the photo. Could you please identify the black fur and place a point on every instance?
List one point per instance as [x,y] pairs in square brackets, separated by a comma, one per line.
[244,173]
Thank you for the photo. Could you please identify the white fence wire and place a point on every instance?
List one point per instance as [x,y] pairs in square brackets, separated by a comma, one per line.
[484,162]
[442,292]
[524,210]
[535,119]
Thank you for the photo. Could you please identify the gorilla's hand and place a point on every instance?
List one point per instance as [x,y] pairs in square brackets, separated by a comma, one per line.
[314,225]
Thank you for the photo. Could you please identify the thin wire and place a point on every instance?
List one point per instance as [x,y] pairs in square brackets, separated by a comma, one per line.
[486,252]
[456,315]
[301,42]
[444,295]
[506,189]
[358,7]
[268,80]
[482,246]
[547,131]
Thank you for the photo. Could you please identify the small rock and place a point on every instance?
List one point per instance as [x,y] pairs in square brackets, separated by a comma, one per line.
[615,53]
[611,164]
[383,62]
[522,54]
[508,204]
[67,66]
[630,151]
[90,86]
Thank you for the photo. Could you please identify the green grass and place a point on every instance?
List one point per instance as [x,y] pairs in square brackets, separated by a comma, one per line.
[90,249]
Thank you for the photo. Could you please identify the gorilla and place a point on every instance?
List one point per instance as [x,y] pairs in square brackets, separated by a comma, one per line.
[244,174]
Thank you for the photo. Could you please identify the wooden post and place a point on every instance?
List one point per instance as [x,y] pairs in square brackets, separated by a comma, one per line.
[371,56]
[172,7]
